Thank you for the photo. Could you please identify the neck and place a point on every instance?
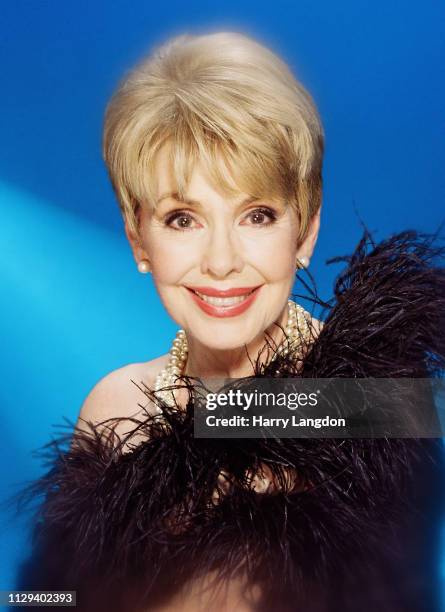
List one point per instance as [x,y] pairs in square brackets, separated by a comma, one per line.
[203,361]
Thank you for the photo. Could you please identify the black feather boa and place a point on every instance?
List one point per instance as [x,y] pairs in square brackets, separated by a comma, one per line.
[127,530]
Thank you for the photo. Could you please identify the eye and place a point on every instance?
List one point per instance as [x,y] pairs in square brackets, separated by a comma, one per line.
[261,216]
[180,220]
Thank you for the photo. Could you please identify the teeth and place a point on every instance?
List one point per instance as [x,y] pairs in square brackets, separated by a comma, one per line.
[223,301]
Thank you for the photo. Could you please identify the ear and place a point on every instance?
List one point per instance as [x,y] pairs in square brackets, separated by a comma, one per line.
[306,247]
[139,252]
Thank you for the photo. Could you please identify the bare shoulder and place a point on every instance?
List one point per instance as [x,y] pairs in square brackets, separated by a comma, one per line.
[120,394]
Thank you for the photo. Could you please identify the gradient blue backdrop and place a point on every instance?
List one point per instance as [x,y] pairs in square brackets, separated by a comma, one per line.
[73,306]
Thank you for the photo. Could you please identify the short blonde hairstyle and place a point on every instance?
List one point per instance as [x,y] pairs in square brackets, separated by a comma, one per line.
[227,101]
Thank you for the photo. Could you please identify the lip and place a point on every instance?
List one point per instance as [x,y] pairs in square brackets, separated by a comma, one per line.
[234,292]
[224,311]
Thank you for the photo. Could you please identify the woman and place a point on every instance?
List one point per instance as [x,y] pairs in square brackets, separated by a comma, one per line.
[204,193]
[215,154]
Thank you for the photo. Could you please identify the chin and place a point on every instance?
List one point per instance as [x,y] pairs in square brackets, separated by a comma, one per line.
[224,336]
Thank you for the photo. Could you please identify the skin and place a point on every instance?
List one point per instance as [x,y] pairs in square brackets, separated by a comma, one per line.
[226,242]
[201,596]
[212,240]
[221,242]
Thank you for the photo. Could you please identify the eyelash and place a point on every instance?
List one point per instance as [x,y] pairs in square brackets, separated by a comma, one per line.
[177,214]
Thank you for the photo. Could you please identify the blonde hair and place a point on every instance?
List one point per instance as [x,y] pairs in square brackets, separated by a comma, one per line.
[227,101]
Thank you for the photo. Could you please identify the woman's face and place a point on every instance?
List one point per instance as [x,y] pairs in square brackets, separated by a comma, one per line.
[223,267]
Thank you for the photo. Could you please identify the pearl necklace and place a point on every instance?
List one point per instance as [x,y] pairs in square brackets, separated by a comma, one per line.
[297,332]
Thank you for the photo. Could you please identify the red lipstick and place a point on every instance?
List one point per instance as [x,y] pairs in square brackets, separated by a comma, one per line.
[221,306]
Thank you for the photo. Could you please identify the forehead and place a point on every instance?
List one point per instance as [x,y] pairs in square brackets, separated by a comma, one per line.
[197,180]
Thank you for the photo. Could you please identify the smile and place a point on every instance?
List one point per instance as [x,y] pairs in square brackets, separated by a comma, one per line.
[224,303]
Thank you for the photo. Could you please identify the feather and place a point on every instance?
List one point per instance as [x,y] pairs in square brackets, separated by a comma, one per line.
[346,524]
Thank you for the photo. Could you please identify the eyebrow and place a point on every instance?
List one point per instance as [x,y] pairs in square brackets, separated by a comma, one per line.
[175,196]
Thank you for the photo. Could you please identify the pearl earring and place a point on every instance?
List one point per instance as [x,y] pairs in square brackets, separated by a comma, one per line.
[144,266]
[302,262]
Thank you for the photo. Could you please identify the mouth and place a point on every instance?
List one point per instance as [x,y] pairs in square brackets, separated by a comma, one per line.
[224,303]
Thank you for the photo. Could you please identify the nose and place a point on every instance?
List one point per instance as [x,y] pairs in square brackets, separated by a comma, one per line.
[222,254]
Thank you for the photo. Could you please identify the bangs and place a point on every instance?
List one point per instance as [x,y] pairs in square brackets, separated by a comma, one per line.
[225,103]
[234,160]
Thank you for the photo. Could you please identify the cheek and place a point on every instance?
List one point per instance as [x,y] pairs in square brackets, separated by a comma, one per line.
[170,263]
[271,253]
[274,255]
[170,259]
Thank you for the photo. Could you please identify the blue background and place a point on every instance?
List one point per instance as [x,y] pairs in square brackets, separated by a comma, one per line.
[73,306]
